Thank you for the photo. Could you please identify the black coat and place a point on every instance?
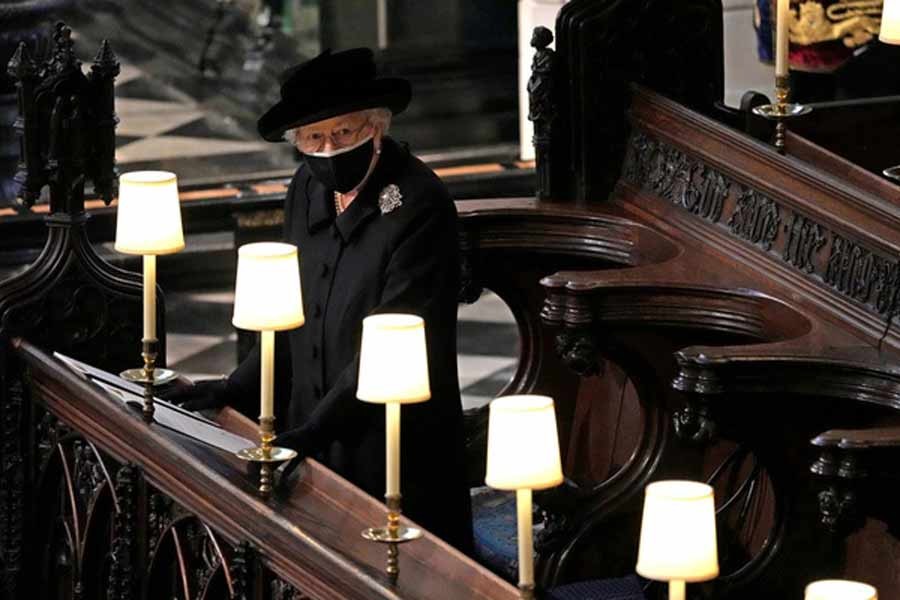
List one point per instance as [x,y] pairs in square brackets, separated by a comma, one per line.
[361,263]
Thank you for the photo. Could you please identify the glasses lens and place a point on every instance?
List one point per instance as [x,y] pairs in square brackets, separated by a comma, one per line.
[341,136]
[312,142]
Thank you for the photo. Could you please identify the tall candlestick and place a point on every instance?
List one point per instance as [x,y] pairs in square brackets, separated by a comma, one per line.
[676,590]
[149,296]
[526,545]
[267,374]
[392,448]
[782,37]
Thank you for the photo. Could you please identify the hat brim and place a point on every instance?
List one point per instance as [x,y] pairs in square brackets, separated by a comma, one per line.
[393,94]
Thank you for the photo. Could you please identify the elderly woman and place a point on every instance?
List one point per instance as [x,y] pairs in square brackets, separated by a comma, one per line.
[377,232]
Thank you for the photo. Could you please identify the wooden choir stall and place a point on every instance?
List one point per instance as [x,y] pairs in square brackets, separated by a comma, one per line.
[699,305]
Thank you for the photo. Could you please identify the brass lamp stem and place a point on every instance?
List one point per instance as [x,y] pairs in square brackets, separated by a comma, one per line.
[266,436]
[266,455]
[149,375]
[782,93]
[393,535]
[781,110]
[393,526]
[149,353]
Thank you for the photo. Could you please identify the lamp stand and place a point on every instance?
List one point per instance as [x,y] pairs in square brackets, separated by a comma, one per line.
[781,110]
[149,375]
[266,454]
[392,535]
[525,526]
[676,590]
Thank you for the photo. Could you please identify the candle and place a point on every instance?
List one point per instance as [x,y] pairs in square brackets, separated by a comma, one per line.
[676,590]
[267,372]
[782,39]
[149,297]
[392,448]
[526,546]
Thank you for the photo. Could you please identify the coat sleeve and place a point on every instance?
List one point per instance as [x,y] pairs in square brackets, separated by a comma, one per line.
[423,272]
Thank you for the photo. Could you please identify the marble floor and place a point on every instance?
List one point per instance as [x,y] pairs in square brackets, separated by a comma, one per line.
[202,343]
[163,128]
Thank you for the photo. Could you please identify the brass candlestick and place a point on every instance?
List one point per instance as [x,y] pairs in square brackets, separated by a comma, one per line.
[392,535]
[149,375]
[892,173]
[781,110]
[526,591]
[266,454]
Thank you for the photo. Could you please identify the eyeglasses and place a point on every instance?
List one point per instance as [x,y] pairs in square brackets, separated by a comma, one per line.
[341,137]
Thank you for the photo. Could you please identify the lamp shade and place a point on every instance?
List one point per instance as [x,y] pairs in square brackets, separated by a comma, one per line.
[523,444]
[393,360]
[148,218]
[890,22]
[267,293]
[678,532]
[839,589]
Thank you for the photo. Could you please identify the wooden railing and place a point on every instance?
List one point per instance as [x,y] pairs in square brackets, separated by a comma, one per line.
[122,509]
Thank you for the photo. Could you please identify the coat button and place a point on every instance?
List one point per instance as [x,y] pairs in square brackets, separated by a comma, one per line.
[315,351]
[324,270]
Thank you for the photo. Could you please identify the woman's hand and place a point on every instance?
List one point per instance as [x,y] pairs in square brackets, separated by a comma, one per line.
[202,395]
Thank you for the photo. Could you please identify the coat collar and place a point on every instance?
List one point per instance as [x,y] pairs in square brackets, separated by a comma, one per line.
[320,205]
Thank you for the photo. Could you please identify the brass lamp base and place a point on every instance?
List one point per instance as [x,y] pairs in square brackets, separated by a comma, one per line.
[892,173]
[159,377]
[781,110]
[526,591]
[273,454]
[149,376]
[266,455]
[392,535]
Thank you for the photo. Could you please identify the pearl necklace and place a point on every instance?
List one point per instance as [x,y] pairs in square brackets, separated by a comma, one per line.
[338,209]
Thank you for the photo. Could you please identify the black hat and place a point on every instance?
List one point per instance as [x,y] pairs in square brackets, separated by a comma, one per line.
[331,85]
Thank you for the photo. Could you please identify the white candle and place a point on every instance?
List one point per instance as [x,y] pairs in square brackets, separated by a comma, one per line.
[676,590]
[267,373]
[782,30]
[526,545]
[392,448]
[149,297]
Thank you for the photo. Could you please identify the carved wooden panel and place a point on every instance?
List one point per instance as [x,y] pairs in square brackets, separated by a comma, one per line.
[811,248]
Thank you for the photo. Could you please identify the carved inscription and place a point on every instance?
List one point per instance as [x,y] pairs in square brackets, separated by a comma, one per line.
[705,195]
[671,174]
[804,240]
[849,268]
[862,275]
[756,218]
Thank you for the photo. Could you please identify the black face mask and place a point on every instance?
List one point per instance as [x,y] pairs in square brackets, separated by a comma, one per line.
[342,172]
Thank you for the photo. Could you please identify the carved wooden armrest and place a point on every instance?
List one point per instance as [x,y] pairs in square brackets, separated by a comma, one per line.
[861,439]
[850,465]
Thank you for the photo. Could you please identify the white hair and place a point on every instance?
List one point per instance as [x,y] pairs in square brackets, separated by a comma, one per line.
[380,117]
